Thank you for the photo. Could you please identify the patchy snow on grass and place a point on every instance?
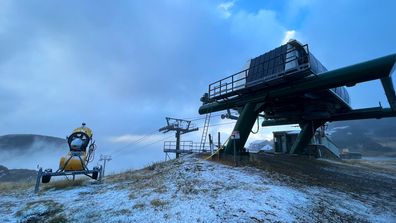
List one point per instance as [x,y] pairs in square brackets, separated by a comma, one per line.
[188,190]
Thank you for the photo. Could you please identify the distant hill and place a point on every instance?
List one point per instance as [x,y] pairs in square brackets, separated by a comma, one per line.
[373,137]
[27,151]
[22,142]
[259,145]
[16,175]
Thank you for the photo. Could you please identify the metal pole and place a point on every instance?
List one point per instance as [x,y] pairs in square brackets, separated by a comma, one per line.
[104,158]
[177,143]
[219,144]
[39,174]
[211,145]
[104,167]
[235,161]
[218,139]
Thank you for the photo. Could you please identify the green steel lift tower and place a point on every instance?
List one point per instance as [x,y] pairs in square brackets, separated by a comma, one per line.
[288,85]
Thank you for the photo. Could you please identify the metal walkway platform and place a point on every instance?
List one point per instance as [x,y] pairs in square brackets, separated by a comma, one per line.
[276,66]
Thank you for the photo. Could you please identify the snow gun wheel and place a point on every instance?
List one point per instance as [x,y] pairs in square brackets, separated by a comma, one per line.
[46,178]
[95,173]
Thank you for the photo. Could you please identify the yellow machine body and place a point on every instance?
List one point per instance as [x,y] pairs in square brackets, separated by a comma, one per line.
[74,163]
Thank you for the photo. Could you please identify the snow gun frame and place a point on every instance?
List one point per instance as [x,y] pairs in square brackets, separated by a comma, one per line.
[76,161]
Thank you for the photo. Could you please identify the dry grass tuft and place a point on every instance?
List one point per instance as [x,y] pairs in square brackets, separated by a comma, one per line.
[157,203]
[155,166]
[42,211]
[151,177]
[138,206]
[189,186]
[7,187]
[123,212]
[124,176]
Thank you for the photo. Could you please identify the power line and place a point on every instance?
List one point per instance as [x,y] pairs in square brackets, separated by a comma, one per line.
[145,146]
[157,141]
[132,142]
[147,136]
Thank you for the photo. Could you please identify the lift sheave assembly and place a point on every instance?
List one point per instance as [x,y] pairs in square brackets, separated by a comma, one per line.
[82,149]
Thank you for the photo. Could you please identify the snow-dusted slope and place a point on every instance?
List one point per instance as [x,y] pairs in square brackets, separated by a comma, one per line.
[189,190]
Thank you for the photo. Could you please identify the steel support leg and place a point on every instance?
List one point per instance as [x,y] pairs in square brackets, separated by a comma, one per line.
[307,132]
[244,125]
[389,91]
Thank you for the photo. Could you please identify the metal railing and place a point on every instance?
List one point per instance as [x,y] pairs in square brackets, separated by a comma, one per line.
[228,84]
[232,84]
[185,147]
[200,148]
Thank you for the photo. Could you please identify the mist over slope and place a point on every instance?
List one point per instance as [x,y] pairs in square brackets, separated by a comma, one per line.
[373,137]
[20,143]
[28,151]
[370,137]
[16,175]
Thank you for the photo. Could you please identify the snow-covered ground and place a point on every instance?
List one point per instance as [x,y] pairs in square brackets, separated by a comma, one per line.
[190,190]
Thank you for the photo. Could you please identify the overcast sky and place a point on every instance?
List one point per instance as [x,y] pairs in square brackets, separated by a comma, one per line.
[122,66]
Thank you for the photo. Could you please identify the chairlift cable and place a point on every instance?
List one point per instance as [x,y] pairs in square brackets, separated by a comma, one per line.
[132,142]
[145,137]
[144,146]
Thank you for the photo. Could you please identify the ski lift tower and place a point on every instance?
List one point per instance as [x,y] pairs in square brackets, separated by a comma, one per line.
[288,86]
[180,126]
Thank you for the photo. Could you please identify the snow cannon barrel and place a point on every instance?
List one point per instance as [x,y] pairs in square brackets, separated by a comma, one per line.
[78,142]
[79,139]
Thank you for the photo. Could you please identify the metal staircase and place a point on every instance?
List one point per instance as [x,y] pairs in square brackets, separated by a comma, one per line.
[326,142]
[205,131]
